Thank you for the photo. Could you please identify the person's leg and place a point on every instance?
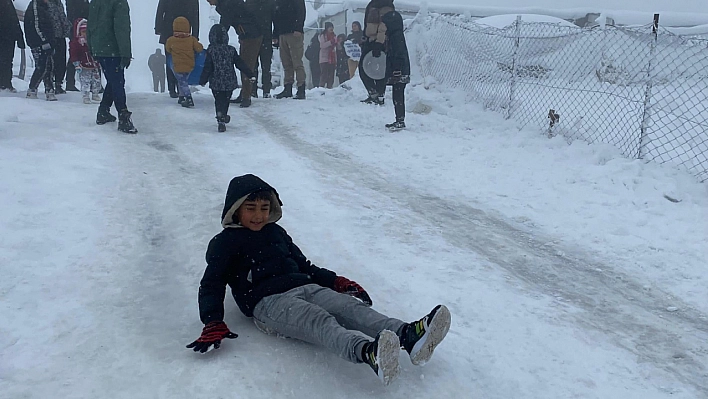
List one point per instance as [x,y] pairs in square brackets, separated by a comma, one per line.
[323,75]
[59,63]
[399,101]
[286,59]
[155,82]
[183,84]
[266,59]
[114,93]
[316,72]
[7,52]
[70,77]
[352,67]
[330,76]
[40,67]
[380,87]
[297,51]
[49,75]
[249,53]
[86,77]
[161,80]
[95,84]
[291,315]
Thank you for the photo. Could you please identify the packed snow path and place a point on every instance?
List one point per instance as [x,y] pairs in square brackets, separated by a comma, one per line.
[103,240]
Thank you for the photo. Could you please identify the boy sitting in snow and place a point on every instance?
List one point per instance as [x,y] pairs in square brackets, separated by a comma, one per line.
[182,45]
[273,282]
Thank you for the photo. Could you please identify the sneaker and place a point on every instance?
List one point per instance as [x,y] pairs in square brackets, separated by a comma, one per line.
[125,123]
[421,337]
[382,356]
[96,97]
[396,126]
[104,116]
[221,127]
[188,102]
[32,93]
[50,96]
[87,99]
[287,92]
[245,103]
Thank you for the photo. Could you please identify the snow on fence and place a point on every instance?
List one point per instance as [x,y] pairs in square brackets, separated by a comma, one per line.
[641,89]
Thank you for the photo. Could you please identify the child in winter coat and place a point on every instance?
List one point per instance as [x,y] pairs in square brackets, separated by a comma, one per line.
[182,45]
[82,60]
[342,60]
[273,282]
[220,74]
[398,67]
[328,55]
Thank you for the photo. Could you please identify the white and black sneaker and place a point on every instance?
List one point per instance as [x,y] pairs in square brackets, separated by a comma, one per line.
[421,337]
[396,126]
[382,356]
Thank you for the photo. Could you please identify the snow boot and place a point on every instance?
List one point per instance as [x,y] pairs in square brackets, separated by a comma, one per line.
[300,95]
[180,100]
[421,337]
[245,102]
[396,126]
[221,126]
[104,116]
[32,93]
[382,356]
[125,123]
[59,90]
[50,96]
[173,94]
[96,97]
[87,99]
[188,102]
[287,91]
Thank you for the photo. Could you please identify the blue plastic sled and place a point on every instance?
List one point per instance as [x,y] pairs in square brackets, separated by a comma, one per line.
[198,67]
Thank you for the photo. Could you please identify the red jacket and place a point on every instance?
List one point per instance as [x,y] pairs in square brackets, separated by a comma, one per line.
[78,46]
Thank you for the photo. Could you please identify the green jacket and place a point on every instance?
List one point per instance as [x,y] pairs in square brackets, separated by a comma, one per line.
[109,28]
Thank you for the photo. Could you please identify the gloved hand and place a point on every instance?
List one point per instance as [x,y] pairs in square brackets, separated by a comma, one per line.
[212,334]
[46,46]
[253,79]
[349,287]
[125,62]
[376,49]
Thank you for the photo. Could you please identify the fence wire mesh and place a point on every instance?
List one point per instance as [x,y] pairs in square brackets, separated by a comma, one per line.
[641,89]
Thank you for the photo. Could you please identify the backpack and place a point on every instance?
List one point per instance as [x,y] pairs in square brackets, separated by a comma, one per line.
[312,53]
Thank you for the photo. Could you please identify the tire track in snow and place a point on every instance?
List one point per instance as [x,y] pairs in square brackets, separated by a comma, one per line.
[618,305]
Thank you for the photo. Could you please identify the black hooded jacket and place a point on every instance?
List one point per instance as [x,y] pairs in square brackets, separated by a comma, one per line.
[262,10]
[220,60]
[288,17]
[234,13]
[39,29]
[10,30]
[168,10]
[396,49]
[255,264]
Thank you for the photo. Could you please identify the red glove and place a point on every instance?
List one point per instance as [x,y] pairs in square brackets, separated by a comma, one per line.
[212,334]
[349,287]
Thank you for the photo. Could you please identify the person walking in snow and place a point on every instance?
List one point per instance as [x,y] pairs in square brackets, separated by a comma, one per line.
[10,33]
[81,59]
[288,36]
[220,74]
[328,55]
[286,294]
[398,66]
[62,31]
[75,9]
[183,46]
[167,11]
[234,13]
[39,34]
[109,42]
[156,63]
[373,42]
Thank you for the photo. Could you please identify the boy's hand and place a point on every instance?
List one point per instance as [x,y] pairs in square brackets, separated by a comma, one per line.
[212,334]
[345,286]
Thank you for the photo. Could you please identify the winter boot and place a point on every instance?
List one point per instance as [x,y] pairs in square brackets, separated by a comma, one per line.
[173,94]
[125,124]
[32,93]
[87,98]
[236,100]
[245,102]
[59,90]
[382,356]
[96,97]
[188,102]
[50,96]
[287,91]
[104,116]
[180,100]
[227,119]
[379,100]
[221,126]
[254,93]
[421,337]
[300,95]
[396,126]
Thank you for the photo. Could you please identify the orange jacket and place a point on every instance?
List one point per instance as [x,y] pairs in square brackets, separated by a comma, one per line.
[182,46]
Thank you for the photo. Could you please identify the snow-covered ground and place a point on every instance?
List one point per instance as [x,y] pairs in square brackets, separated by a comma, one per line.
[570,270]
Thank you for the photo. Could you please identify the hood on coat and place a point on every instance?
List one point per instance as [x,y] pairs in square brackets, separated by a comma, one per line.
[79,25]
[218,34]
[239,189]
[393,22]
[181,25]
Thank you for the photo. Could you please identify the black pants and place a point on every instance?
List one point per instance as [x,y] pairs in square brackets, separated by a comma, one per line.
[158,82]
[70,75]
[315,73]
[59,61]
[114,93]
[399,101]
[43,70]
[265,59]
[373,87]
[221,103]
[7,53]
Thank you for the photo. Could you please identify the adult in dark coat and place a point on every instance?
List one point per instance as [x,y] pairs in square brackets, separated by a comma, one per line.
[62,32]
[75,9]
[288,34]
[398,66]
[39,34]
[10,34]
[167,11]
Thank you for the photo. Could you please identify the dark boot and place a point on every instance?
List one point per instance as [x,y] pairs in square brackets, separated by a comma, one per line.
[254,93]
[59,90]
[266,94]
[245,102]
[221,122]
[287,92]
[180,100]
[236,100]
[104,116]
[188,102]
[396,126]
[300,95]
[125,123]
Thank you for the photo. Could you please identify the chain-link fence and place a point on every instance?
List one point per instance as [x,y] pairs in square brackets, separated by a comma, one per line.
[643,90]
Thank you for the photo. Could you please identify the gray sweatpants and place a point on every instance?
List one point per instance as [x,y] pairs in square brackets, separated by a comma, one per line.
[321,316]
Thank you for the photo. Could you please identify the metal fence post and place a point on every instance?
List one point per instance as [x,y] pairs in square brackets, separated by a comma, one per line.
[646,118]
[512,86]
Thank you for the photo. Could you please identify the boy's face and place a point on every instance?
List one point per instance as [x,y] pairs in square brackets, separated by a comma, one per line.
[253,215]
